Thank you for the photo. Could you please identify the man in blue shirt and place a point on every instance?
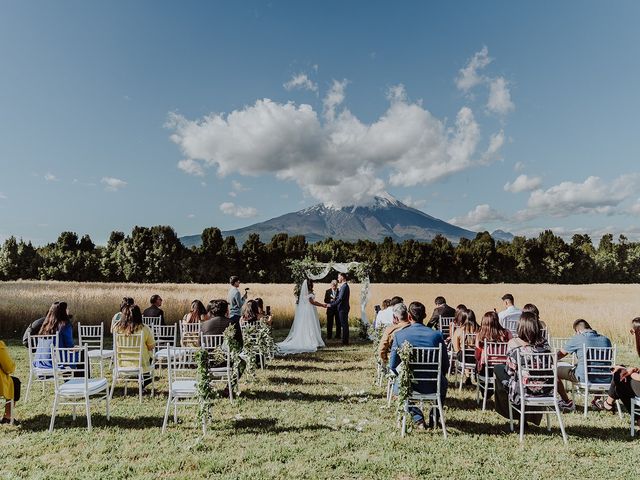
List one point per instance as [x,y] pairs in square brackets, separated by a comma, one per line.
[585,336]
[419,335]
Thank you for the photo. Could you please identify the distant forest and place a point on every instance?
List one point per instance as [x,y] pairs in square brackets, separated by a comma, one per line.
[155,254]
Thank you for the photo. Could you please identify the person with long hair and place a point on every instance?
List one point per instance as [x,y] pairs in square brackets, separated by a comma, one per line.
[490,331]
[530,307]
[57,321]
[249,313]
[468,325]
[626,380]
[126,301]
[131,324]
[262,315]
[196,314]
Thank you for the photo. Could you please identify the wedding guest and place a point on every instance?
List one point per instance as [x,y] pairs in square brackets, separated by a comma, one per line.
[626,380]
[457,320]
[154,310]
[385,317]
[510,308]
[9,385]
[196,314]
[385,304]
[262,315]
[126,301]
[34,328]
[490,331]
[217,320]
[235,299]
[462,344]
[441,310]
[530,307]
[57,321]
[400,321]
[130,323]
[419,335]
[249,313]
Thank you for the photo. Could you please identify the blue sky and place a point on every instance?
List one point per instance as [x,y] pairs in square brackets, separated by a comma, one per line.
[194,114]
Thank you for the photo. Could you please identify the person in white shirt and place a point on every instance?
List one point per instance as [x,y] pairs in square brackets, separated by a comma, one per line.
[385,317]
[510,309]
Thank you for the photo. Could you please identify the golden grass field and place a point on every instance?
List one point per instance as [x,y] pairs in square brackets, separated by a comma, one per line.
[608,307]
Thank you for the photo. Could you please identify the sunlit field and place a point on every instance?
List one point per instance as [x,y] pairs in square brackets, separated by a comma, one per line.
[608,307]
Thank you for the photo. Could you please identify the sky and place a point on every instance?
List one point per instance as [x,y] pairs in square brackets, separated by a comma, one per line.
[510,115]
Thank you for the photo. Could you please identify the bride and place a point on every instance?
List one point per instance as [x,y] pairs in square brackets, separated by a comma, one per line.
[304,335]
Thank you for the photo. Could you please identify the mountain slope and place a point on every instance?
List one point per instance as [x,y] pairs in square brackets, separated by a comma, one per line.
[386,217]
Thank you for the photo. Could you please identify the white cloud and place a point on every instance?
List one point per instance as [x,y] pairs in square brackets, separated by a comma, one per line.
[112,184]
[233,194]
[499,97]
[410,202]
[191,167]
[50,177]
[519,166]
[523,183]
[229,208]
[594,195]
[301,81]
[477,218]
[633,209]
[238,187]
[334,156]
[468,76]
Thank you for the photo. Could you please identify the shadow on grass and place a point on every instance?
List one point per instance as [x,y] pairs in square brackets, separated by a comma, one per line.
[311,368]
[270,395]
[290,380]
[270,425]
[40,422]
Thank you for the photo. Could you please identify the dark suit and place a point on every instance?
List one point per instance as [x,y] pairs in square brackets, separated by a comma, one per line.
[341,304]
[154,311]
[332,313]
[441,310]
[217,326]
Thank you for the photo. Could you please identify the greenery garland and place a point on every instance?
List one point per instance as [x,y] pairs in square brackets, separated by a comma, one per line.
[206,393]
[257,341]
[235,360]
[376,337]
[405,376]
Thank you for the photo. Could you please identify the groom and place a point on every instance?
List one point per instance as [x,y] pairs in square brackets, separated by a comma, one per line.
[341,304]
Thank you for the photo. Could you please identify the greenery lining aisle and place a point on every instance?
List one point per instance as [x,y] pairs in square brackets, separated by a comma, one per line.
[306,416]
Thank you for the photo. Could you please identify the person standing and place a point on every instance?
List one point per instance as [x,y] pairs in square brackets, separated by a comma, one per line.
[235,299]
[341,304]
[332,314]
[154,309]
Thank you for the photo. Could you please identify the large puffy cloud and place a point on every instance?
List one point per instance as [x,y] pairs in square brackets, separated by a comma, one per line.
[334,157]
[594,195]
[523,183]
[478,218]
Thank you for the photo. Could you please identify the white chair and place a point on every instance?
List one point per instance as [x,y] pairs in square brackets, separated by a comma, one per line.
[468,362]
[190,334]
[92,336]
[165,336]
[426,366]
[12,406]
[597,363]
[557,343]
[37,355]
[635,410]
[127,364]
[250,337]
[444,325]
[537,370]
[221,374]
[182,384]
[493,353]
[510,322]
[150,321]
[73,386]
[391,379]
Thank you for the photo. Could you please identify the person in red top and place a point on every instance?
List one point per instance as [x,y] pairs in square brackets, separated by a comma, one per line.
[490,331]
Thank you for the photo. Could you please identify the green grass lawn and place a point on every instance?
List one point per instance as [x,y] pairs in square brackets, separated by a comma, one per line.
[307,416]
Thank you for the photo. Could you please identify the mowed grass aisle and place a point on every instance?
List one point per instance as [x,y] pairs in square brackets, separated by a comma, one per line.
[308,416]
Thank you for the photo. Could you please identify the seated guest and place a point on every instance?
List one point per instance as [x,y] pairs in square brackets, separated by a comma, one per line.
[116,318]
[419,335]
[626,380]
[585,336]
[530,340]
[196,314]
[249,313]
[217,320]
[34,328]
[262,315]
[9,385]
[385,304]
[461,343]
[441,310]
[57,321]
[130,323]
[456,322]
[490,331]
[530,307]
[510,308]
[385,317]
[400,320]
[154,309]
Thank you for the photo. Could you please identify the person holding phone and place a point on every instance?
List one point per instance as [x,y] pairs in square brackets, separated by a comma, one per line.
[235,299]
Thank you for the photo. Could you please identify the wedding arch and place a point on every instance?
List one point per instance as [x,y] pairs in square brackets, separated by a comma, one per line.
[307,268]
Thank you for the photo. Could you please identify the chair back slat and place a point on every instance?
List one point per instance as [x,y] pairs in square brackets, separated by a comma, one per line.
[444,325]
[40,348]
[510,322]
[182,364]
[150,321]
[598,362]
[190,334]
[165,335]
[495,353]
[128,349]
[426,365]
[91,336]
[69,362]
[537,374]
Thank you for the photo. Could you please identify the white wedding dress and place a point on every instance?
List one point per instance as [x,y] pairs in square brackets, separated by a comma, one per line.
[305,334]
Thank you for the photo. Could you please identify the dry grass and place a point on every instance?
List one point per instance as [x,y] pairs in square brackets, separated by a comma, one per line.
[608,307]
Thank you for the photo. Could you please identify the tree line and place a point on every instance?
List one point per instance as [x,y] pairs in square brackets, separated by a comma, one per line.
[155,254]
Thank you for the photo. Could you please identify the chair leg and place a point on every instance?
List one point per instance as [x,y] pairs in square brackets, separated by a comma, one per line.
[559,415]
[522,421]
[140,386]
[403,428]
[101,368]
[586,401]
[619,409]
[230,386]
[12,409]
[114,377]
[53,413]
[166,414]
[633,420]
[441,411]
[510,417]
[74,415]
[486,394]
[88,410]
[548,415]
[106,401]
[26,397]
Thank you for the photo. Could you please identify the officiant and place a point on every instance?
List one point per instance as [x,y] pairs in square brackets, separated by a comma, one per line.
[332,312]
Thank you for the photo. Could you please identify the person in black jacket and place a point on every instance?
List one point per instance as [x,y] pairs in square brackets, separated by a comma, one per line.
[441,310]
[332,313]
[218,321]
[341,304]
[154,310]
